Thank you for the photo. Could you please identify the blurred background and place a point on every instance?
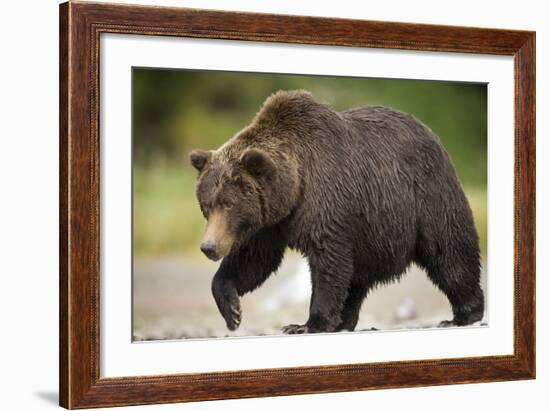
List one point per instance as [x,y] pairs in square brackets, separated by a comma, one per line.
[175,111]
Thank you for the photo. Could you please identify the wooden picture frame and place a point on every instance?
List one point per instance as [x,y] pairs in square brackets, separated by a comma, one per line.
[80,27]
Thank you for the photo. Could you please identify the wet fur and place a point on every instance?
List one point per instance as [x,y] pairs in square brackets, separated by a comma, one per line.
[361,193]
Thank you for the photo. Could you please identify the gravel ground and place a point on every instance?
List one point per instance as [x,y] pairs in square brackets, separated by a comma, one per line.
[172,300]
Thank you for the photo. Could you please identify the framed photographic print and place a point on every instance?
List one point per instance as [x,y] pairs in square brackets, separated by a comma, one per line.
[259,205]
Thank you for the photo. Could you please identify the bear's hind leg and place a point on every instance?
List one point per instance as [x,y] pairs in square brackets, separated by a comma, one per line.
[449,251]
[462,287]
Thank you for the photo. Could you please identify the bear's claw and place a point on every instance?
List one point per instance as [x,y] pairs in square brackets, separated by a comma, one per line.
[295,329]
[232,313]
[228,303]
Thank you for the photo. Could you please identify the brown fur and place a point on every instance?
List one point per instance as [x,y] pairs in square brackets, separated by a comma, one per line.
[362,194]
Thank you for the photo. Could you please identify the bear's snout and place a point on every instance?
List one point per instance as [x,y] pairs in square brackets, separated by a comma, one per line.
[209,250]
[218,239]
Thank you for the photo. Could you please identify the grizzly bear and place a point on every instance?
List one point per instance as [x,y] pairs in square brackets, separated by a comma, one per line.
[362,194]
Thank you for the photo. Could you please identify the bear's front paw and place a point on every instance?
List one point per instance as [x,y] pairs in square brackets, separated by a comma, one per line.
[229,305]
[231,312]
[295,329]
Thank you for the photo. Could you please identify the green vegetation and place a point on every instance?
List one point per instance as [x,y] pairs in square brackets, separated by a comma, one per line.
[175,111]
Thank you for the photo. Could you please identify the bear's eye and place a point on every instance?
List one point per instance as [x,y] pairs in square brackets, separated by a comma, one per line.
[228,206]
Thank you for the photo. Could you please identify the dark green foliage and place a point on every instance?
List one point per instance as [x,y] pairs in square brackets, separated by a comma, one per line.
[177,110]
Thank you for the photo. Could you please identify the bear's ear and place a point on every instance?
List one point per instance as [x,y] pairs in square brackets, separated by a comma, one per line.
[257,162]
[199,158]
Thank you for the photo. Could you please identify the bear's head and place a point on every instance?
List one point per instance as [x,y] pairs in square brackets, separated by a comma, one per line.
[240,190]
